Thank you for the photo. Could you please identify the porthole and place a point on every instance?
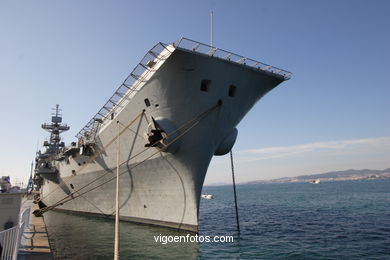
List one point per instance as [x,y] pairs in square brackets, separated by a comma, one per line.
[147,102]
[232,90]
[205,85]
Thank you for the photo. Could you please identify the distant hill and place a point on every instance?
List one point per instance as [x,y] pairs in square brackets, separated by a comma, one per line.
[334,176]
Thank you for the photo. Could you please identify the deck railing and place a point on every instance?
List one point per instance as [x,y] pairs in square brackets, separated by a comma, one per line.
[128,88]
[10,238]
[198,47]
[142,71]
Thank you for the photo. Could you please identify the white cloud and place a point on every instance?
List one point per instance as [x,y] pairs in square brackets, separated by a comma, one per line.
[294,150]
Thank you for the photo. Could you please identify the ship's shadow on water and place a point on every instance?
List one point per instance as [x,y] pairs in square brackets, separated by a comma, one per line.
[334,220]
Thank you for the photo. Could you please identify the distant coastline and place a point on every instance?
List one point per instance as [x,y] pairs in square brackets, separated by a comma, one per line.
[347,175]
[365,174]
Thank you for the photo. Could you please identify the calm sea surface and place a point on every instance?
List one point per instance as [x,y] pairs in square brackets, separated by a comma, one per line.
[330,220]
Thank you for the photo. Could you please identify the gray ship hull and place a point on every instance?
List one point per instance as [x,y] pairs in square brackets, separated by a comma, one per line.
[161,186]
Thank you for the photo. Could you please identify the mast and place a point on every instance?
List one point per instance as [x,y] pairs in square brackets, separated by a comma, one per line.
[45,162]
[55,128]
[212,29]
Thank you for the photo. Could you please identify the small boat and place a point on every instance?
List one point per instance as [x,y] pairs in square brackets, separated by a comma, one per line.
[207,196]
[315,181]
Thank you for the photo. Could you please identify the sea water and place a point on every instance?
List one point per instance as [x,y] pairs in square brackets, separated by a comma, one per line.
[330,220]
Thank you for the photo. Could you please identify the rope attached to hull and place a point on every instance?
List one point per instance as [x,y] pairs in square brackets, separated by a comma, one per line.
[234,190]
[189,125]
[99,153]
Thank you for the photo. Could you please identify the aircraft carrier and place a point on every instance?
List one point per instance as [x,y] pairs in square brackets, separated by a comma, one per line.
[177,109]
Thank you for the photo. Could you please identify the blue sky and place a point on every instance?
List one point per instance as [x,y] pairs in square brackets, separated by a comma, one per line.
[332,115]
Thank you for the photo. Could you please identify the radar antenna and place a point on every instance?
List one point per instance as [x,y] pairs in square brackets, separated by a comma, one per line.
[55,128]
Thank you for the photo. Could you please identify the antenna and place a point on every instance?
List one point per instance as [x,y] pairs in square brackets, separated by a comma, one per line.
[57,111]
[212,28]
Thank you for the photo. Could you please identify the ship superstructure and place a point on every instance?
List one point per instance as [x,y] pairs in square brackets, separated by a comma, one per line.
[178,108]
[45,162]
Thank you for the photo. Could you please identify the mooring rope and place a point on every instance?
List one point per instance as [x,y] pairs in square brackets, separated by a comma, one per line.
[142,151]
[97,154]
[234,190]
[116,240]
[72,196]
